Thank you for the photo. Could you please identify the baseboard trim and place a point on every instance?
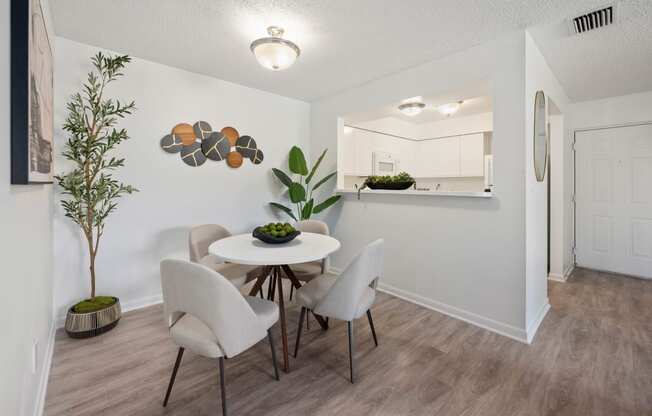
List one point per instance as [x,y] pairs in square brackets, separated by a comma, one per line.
[127,306]
[45,373]
[533,327]
[569,271]
[556,277]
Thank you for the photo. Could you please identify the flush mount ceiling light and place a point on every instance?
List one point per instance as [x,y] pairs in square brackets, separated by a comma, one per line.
[274,52]
[450,108]
[411,109]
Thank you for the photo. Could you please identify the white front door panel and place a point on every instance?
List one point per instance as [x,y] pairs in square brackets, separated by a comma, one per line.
[614,200]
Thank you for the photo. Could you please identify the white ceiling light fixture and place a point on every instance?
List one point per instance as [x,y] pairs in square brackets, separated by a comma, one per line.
[450,108]
[411,109]
[274,52]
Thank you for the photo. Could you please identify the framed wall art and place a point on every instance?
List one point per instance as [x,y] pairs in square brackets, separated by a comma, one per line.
[32,116]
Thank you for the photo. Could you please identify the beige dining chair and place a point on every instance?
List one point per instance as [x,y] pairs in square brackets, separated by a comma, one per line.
[207,315]
[201,237]
[305,272]
[347,297]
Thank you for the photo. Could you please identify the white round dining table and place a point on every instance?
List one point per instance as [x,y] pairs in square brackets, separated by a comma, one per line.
[276,260]
[246,249]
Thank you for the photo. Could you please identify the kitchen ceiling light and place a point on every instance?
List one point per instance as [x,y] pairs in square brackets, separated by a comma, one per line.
[450,108]
[274,52]
[411,109]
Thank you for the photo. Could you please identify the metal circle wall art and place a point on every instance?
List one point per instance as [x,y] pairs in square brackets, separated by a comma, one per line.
[198,142]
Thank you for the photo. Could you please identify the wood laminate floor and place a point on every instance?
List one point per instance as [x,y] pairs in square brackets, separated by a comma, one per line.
[591,356]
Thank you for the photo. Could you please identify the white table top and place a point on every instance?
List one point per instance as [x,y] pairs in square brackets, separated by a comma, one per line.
[245,249]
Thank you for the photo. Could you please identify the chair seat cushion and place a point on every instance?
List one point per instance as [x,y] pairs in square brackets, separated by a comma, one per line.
[307,271]
[237,274]
[312,292]
[266,311]
[191,333]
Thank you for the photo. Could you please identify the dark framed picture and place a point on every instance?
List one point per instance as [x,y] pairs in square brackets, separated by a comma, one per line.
[32,116]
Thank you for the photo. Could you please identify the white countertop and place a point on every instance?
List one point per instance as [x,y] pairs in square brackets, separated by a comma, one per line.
[415,192]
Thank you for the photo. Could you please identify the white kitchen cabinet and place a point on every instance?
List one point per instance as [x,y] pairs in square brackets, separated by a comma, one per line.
[364,144]
[471,155]
[445,157]
[348,153]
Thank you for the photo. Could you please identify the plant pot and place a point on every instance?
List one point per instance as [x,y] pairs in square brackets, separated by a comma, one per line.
[392,185]
[90,324]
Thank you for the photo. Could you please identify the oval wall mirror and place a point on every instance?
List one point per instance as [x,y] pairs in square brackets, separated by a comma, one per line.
[540,136]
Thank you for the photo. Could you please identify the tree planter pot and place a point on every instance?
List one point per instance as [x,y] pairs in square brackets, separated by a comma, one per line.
[90,324]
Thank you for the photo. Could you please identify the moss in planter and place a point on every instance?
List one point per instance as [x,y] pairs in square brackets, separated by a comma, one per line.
[94,304]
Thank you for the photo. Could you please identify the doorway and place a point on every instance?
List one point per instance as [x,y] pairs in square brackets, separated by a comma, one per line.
[614,199]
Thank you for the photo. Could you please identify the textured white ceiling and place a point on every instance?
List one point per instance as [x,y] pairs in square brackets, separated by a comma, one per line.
[344,42]
[611,61]
[476,99]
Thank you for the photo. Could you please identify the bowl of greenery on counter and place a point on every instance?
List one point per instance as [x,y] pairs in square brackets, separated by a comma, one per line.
[276,233]
[397,182]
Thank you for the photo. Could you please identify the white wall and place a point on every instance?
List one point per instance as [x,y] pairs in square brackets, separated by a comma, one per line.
[465,257]
[538,76]
[154,223]
[26,258]
[560,246]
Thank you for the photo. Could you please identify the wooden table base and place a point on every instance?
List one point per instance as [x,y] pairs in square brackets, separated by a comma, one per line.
[276,275]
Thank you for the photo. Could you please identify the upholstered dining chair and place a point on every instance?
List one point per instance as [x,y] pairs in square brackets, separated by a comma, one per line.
[207,315]
[201,237]
[305,272]
[347,297]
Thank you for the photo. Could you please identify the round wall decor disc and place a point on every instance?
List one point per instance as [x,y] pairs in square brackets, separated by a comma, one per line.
[192,155]
[231,134]
[185,132]
[202,129]
[215,146]
[234,159]
[171,143]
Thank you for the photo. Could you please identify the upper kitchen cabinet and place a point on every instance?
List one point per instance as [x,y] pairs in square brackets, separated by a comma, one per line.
[472,155]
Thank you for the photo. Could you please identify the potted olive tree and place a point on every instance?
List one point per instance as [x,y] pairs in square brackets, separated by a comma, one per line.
[90,191]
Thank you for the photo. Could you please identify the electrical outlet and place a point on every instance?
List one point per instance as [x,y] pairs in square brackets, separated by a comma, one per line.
[34,356]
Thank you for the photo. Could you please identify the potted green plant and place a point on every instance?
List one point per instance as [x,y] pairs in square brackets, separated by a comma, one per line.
[301,190]
[90,191]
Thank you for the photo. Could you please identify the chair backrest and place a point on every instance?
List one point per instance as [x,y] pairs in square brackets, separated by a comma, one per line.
[208,296]
[203,236]
[341,301]
[313,226]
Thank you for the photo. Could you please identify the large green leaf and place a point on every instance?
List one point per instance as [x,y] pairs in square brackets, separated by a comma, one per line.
[307,210]
[314,168]
[284,209]
[324,180]
[327,203]
[297,192]
[297,162]
[285,179]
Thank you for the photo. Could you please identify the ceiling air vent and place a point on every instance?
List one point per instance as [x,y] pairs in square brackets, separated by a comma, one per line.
[593,20]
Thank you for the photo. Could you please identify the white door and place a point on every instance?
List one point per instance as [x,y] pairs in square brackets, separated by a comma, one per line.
[614,200]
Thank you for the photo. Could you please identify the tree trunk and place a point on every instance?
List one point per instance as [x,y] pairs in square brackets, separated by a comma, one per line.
[91,253]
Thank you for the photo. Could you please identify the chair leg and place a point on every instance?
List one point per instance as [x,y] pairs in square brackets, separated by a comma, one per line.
[308,320]
[222,385]
[299,329]
[371,324]
[291,291]
[174,376]
[351,360]
[271,345]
